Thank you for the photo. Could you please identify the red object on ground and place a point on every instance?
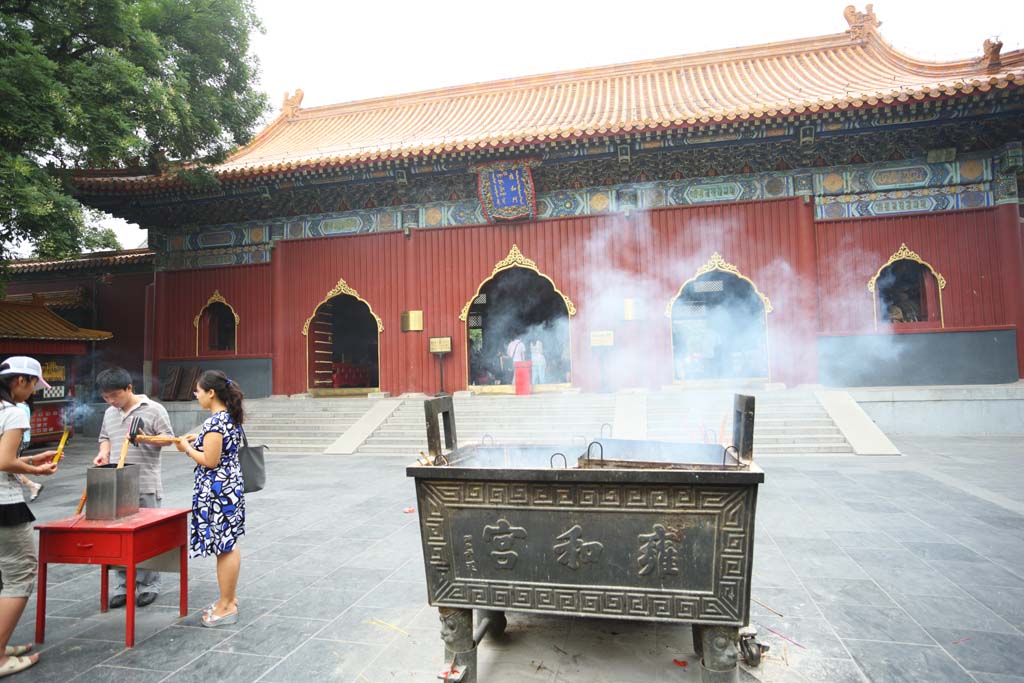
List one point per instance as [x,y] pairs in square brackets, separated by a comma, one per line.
[523,377]
[118,542]
[679,662]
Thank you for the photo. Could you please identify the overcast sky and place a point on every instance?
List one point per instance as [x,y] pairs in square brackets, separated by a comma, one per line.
[343,51]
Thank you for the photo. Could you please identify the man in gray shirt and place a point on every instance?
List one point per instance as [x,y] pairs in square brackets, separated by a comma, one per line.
[115,386]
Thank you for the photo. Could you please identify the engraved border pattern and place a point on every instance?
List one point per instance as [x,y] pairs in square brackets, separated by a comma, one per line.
[729,602]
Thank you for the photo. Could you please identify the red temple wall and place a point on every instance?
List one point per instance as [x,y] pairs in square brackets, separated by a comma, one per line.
[593,261]
[180,295]
[965,247]
[814,273]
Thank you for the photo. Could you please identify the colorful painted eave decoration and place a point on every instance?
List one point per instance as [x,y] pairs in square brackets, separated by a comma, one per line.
[506,190]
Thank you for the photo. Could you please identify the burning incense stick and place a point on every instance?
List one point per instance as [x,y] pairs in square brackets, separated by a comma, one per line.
[60,448]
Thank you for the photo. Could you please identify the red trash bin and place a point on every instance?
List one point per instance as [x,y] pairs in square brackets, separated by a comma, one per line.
[523,377]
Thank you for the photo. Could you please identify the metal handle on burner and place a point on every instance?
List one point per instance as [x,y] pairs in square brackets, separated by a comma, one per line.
[609,430]
[600,447]
[483,440]
[565,461]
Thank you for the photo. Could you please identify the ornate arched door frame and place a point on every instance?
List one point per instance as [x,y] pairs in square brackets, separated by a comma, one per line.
[215,298]
[906,254]
[342,289]
[717,263]
[514,259]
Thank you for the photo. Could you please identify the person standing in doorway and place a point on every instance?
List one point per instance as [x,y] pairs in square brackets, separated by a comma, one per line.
[516,352]
[115,385]
[218,499]
[539,362]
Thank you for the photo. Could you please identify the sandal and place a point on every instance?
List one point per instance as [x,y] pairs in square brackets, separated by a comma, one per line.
[210,620]
[35,492]
[15,665]
[16,650]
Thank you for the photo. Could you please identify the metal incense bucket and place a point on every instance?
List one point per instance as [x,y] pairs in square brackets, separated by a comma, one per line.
[111,492]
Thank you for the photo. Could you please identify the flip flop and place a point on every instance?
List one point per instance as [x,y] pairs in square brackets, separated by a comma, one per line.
[15,665]
[15,650]
[210,620]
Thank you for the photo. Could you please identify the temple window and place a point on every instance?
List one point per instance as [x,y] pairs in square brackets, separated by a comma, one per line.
[216,327]
[907,292]
[221,325]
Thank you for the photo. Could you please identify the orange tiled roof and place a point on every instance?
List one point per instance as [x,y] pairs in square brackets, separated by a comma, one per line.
[852,69]
[95,259]
[25,321]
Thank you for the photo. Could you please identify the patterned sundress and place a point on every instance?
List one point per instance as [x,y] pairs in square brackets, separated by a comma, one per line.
[218,504]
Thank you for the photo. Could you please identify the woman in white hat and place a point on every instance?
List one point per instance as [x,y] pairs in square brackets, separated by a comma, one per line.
[20,377]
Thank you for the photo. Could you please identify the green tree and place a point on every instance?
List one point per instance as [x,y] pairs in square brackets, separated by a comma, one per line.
[100,83]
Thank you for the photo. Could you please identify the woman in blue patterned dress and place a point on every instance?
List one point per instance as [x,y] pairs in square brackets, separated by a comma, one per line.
[218,505]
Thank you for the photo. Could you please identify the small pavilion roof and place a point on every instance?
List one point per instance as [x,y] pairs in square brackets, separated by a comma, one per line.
[96,259]
[31,322]
[853,69]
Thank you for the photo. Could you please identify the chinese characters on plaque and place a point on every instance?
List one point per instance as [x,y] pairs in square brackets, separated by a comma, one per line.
[657,553]
[506,190]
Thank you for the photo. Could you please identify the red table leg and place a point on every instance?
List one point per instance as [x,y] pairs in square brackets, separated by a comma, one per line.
[183,600]
[129,631]
[104,587]
[41,603]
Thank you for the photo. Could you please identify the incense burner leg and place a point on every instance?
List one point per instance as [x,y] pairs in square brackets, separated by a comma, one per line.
[459,647]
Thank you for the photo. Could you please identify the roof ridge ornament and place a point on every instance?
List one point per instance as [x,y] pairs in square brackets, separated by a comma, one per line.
[861,23]
[991,58]
[290,106]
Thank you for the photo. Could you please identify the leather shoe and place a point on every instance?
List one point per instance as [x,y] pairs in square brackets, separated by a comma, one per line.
[118,601]
[145,599]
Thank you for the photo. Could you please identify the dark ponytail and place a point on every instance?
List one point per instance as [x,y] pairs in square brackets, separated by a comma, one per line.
[226,391]
[5,384]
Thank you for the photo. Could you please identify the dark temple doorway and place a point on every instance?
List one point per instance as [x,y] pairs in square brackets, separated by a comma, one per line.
[343,346]
[718,330]
[518,305]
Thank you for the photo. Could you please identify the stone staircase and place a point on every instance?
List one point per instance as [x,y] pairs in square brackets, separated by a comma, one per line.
[301,426]
[540,418]
[787,422]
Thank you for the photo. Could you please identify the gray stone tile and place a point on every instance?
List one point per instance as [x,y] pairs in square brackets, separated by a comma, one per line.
[847,591]
[813,637]
[904,663]
[68,658]
[415,651]
[271,635]
[116,674]
[148,621]
[362,624]
[943,551]
[826,566]
[790,602]
[863,539]
[952,613]
[324,660]
[978,574]
[278,586]
[224,667]
[1006,602]
[396,594]
[170,649]
[996,678]
[796,546]
[358,578]
[997,653]
[277,552]
[318,603]
[871,622]
[920,580]
[893,557]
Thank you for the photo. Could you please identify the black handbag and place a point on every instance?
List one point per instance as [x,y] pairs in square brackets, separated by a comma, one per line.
[254,469]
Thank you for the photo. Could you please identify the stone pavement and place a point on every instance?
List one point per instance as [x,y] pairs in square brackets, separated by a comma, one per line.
[882,569]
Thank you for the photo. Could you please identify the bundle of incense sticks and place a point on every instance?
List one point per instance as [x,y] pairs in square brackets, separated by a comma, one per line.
[60,448]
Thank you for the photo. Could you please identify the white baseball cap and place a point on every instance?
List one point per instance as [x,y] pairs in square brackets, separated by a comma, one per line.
[25,365]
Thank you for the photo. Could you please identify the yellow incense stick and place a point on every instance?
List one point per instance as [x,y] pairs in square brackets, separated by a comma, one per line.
[60,448]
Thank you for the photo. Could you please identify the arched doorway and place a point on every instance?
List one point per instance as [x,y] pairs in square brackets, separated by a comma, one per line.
[517,304]
[719,326]
[342,348]
[907,290]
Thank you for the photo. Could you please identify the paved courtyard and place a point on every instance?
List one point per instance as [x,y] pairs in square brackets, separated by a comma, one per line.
[868,569]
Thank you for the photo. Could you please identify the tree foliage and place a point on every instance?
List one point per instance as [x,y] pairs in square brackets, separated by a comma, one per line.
[99,83]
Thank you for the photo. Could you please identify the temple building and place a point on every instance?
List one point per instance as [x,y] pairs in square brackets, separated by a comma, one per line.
[818,211]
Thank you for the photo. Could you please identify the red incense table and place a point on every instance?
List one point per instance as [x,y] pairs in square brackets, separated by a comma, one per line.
[121,542]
